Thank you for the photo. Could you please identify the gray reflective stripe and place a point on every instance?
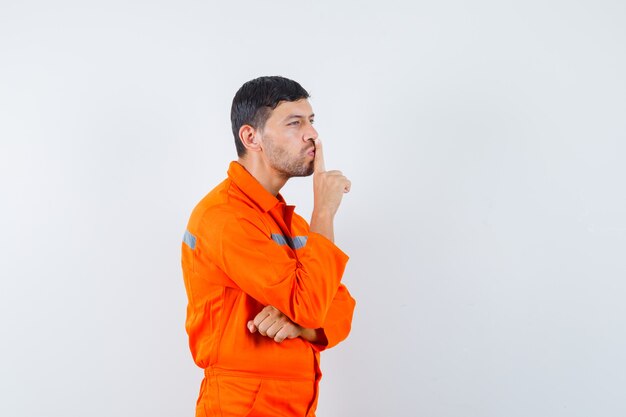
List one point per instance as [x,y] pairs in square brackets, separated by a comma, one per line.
[296,242]
[280,239]
[299,241]
[190,240]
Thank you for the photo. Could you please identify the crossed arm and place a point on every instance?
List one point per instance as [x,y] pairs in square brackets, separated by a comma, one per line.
[270,322]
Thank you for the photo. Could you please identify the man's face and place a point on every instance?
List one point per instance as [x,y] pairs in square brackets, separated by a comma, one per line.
[288,139]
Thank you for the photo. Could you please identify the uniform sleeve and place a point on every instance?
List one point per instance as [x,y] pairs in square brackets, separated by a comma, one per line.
[338,320]
[303,289]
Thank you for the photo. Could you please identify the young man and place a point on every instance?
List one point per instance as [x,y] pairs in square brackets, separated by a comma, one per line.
[264,287]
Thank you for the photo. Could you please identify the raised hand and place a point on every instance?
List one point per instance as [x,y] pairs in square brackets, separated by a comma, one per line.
[328,186]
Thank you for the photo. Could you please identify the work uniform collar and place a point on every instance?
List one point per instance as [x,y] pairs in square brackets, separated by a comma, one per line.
[253,189]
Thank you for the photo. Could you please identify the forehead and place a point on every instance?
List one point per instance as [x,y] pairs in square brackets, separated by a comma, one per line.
[284,109]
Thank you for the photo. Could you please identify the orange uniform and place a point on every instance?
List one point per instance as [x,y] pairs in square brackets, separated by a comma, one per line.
[245,249]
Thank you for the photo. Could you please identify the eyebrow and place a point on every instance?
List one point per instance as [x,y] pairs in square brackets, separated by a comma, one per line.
[298,116]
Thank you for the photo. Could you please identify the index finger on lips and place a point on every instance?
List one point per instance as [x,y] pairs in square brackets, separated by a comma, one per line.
[319,165]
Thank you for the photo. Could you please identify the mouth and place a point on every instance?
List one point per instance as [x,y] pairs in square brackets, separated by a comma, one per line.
[311,151]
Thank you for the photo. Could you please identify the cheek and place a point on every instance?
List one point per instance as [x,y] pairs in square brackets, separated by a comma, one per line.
[290,139]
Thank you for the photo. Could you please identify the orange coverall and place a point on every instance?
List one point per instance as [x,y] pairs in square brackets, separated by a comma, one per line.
[245,249]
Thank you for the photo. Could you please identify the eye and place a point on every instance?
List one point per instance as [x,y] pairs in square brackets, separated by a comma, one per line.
[294,123]
[312,121]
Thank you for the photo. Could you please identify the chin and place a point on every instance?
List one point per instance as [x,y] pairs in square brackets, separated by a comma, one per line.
[306,173]
[298,170]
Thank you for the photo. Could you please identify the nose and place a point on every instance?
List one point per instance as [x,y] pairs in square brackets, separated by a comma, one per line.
[310,133]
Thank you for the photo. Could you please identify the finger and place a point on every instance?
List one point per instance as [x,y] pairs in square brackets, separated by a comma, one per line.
[289,331]
[251,326]
[259,319]
[265,324]
[273,330]
[265,313]
[319,165]
[281,335]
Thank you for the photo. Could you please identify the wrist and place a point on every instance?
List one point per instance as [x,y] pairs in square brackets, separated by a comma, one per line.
[310,335]
[322,223]
[315,336]
[323,213]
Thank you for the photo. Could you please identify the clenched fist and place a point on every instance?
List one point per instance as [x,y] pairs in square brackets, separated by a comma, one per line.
[274,324]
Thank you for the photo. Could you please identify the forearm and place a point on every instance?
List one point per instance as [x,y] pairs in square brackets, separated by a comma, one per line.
[338,320]
[322,223]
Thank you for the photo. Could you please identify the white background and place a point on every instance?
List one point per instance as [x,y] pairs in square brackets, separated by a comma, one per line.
[486,225]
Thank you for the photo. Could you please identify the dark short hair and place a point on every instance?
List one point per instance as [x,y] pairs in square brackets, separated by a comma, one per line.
[256,99]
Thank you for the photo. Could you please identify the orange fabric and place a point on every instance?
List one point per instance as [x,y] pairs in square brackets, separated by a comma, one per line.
[245,249]
[226,395]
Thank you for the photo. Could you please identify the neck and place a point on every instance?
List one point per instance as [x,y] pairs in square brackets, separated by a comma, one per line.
[263,173]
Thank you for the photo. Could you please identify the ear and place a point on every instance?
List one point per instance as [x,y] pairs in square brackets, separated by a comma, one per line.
[249,138]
